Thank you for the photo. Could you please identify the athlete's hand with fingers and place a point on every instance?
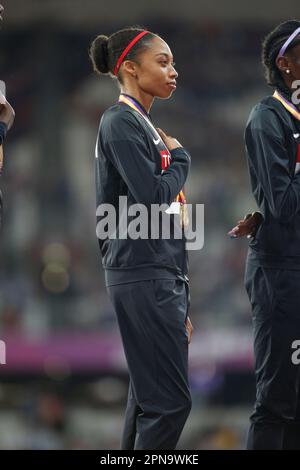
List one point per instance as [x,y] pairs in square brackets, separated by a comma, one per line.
[247,227]
[170,142]
[7,113]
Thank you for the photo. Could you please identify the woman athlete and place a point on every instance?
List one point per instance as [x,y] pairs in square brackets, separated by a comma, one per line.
[272,275]
[146,278]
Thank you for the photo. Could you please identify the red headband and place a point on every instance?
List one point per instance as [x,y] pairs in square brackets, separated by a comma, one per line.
[125,52]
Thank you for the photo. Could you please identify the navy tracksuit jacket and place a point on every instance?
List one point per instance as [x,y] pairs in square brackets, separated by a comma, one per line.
[146,278]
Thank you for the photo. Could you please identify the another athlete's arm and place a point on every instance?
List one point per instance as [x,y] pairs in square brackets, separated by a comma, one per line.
[7,116]
[269,158]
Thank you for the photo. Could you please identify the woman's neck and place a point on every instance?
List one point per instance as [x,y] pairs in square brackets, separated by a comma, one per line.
[286,89]
[145,99]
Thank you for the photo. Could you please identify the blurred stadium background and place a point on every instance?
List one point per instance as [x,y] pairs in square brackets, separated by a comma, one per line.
[65,383]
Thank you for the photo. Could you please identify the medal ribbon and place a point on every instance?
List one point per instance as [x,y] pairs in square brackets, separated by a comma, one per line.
[287,104]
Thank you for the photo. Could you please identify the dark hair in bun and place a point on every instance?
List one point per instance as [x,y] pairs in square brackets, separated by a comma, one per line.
[105,51]
[270,49]
[99,54]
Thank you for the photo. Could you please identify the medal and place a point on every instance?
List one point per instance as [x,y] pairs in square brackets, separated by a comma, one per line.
[184,215]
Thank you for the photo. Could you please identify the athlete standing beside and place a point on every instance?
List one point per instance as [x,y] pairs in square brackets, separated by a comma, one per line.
[272,275]
[146,279]
[7,116]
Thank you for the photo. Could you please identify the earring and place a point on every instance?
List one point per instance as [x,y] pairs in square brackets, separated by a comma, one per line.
[287,71]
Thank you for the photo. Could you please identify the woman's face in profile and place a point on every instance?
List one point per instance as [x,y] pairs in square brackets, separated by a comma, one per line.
[156,73]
